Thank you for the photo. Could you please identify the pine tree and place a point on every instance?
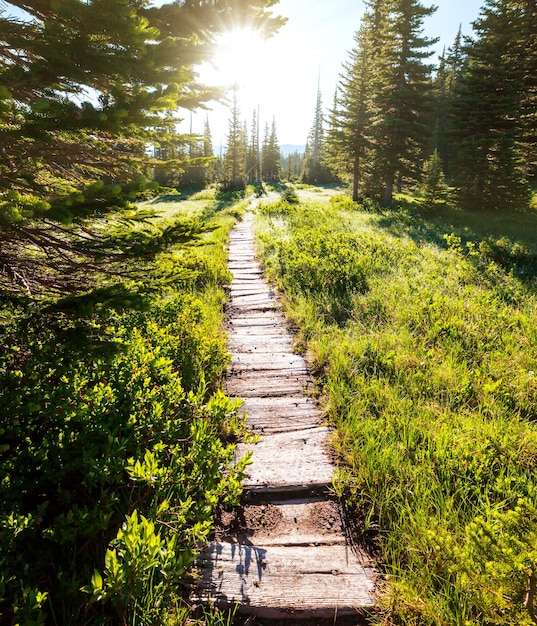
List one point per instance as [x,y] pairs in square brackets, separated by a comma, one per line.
[434,187]
[489,109]
[85,86]
[527,114]
[235,154]
[401,94]
[207,140]
[270,154]
[292,165]
[448,73]
[208,152]
[253,157]
[349,134]
[315,169]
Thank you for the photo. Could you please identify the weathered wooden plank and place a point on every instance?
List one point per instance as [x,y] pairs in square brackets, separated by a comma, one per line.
[254,302]
[253,290]
[260,342]
[248,281]
[289,461]
[268,384]
[243,273]
[280,414]
[251,319]
[279,581]
[263,361]
[249,285]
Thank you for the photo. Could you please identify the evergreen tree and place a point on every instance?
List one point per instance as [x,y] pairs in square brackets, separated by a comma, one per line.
[207,140]
[315,169]
[208,152]
[527,114]
[349,142]
[493,99]
[271,155]
[449,72]
[253,157]
[401,95]
[234,172]
[292,165]
[434,187]
[85,86]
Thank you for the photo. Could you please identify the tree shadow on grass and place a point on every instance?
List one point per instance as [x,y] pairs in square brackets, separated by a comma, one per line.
[508,239]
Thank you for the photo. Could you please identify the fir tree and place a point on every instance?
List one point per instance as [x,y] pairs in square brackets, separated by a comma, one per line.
[489,108]
[434,187]
[349,134]
[270,154]
[449,72]
[253,156]
[85,86]
[235,155]
[315,169]
[401,95]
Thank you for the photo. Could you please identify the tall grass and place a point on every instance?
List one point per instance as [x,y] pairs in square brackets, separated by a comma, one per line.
[424,342]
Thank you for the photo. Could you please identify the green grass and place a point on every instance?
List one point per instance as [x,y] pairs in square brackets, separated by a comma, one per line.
[422,334]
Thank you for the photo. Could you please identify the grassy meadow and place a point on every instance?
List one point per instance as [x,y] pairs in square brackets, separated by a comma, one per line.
[116,443]
[421,327]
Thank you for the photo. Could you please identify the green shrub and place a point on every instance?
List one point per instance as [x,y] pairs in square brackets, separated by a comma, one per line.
[117,445]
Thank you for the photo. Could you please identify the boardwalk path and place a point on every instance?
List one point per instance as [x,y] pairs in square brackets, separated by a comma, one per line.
[287,556]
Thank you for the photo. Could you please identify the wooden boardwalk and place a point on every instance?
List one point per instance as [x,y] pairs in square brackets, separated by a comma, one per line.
[286,556]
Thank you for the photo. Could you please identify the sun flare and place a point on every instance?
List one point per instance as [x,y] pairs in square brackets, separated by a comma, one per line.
[239,56]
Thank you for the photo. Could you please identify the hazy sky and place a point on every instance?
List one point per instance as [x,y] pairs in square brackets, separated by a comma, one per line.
[281,74]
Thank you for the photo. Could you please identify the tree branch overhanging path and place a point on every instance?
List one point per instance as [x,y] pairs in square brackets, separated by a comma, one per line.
[287,556]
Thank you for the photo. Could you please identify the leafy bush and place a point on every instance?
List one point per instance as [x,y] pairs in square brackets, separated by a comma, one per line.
[116,444]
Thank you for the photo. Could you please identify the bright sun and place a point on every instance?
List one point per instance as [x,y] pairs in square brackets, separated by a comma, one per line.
[239,57]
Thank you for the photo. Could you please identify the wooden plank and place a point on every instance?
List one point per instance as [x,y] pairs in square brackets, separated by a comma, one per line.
[280,414]
[253,317]
[268,384]
[263,361]
[253,302]
[263,319]
[281,581]
[288,462]
[260,342]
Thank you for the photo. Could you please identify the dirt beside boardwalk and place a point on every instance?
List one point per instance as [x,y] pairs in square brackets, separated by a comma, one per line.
[266,520]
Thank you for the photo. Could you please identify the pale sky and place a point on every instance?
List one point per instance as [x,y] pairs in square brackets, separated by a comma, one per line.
[280,75]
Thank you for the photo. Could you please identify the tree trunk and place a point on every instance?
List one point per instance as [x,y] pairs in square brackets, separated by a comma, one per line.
[388,190]
[355,178]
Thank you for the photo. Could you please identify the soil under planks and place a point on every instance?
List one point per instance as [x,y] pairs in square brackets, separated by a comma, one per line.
[284,555]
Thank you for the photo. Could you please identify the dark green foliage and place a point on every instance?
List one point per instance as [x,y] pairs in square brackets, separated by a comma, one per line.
[114,452]
[270,155]
[434,187]
[234,174]
[491,103]
[314,167]
[380,123]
